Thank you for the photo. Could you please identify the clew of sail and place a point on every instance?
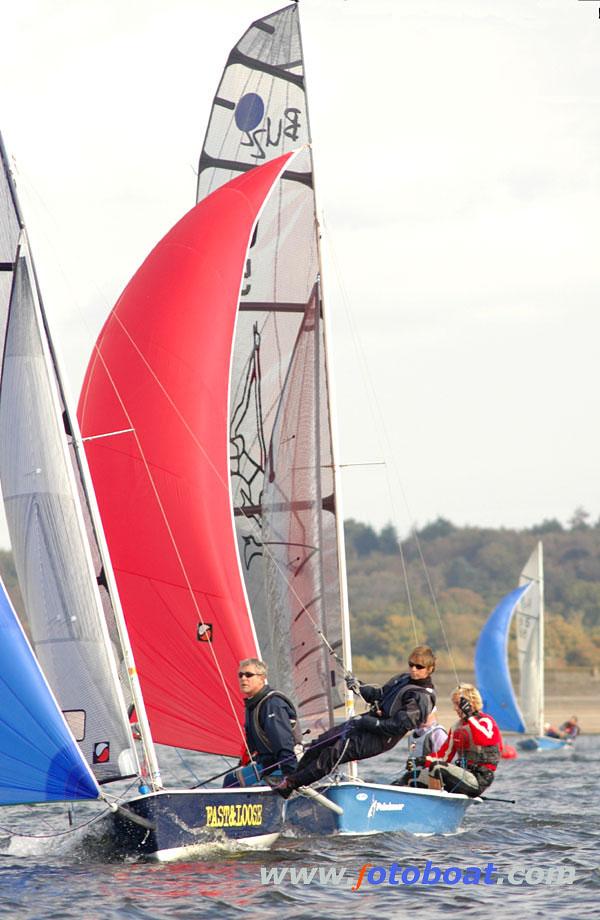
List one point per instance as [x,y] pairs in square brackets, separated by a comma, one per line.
[39,759]
[281,468]
[530,643]
[161,371]
[50,528]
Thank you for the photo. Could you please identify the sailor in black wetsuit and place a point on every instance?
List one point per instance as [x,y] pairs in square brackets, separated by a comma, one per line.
[403,703]
[270,728]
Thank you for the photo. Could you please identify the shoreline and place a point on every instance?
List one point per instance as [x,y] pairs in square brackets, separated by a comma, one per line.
[568,692]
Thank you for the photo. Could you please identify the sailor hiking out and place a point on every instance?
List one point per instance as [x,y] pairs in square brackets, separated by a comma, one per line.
[402,704]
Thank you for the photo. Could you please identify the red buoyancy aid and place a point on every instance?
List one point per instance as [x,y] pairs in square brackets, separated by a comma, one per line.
[476,742]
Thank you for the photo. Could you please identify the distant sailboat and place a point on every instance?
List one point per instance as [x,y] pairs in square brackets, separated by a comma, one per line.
[492,673]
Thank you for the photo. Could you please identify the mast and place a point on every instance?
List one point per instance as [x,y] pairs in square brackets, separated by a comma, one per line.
[540,645]
[339,516]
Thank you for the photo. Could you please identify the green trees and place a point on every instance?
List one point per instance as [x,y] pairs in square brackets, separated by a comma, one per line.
[362,539]
[471,569]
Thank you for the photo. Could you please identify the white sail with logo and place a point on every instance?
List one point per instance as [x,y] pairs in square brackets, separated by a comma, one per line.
[285,497]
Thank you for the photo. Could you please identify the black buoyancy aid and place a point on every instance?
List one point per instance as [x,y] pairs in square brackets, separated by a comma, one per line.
[259,730]
[394,695]
[478,753]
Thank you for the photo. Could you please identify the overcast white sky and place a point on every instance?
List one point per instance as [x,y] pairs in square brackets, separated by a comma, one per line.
[457,149]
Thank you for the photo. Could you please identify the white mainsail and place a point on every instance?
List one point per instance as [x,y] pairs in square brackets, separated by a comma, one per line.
[63,584]
[283,470]
[530,643]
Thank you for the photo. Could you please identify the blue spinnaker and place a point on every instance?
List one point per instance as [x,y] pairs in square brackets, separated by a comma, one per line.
[39,758]
[491,665]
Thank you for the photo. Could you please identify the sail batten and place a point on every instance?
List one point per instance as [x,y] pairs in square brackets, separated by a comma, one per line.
[263,307]
[206,162]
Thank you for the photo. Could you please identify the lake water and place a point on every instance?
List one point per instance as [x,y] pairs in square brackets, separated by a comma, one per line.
[555,823]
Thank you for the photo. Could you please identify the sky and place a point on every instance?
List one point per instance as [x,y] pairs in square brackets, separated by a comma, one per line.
[457,171]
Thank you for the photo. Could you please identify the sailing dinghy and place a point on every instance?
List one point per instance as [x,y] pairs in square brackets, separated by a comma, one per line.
[525,715]
[219,491]
[72,603]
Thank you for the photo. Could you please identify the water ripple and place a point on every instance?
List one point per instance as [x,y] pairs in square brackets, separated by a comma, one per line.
[554,825]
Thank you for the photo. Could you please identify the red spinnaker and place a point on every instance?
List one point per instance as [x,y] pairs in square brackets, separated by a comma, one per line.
[162,367]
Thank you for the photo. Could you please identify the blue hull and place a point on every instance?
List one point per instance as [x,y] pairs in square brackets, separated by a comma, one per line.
[372,808]
[185,822]
[544,744]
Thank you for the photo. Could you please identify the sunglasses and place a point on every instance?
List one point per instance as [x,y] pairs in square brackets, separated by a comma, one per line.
[247,674]
[419,667]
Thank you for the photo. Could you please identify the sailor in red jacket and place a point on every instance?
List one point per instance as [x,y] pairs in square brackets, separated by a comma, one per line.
[475,743]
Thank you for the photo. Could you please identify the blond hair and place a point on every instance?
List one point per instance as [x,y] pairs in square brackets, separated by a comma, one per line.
[470,693]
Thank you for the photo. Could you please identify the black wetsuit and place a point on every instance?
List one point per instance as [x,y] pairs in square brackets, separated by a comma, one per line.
[397,707]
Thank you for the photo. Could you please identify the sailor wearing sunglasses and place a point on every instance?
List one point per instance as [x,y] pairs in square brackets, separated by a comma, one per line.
[399,706]
[270,729]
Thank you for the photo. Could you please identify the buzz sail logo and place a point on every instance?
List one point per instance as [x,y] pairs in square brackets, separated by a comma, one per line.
[250,114]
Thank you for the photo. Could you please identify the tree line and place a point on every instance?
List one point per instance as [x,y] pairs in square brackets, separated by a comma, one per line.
[445,580]
[442,582]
